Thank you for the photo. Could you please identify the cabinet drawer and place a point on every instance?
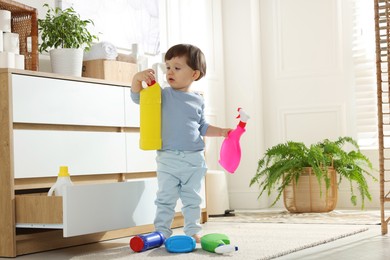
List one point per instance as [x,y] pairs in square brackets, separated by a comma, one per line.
[132,111]
[55,101]
[139,160]
[86,209]
[39,153]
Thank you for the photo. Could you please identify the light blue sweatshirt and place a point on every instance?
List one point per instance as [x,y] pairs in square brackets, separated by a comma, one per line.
[183,120]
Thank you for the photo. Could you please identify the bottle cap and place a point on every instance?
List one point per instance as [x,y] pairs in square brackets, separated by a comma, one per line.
[63,171]
[137,244]
[152,83]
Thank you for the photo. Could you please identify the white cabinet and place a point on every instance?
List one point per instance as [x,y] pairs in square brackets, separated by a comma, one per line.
[66,102]
[102,150]
[89,125]
[117,205]
[132,111]
[39,153]
[86,209]
[93,128]
[137,159]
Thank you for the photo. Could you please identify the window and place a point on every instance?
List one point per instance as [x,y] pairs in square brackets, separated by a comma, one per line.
[365,74]
[122,22]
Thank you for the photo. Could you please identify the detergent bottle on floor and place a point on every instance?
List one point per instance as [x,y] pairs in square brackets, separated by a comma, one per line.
[150,117]
[230,153]
[63,180]
[217,243]
[145,242]
[180,244]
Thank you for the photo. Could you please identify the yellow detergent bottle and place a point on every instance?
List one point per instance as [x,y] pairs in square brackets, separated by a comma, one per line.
[63,180]
[150,117]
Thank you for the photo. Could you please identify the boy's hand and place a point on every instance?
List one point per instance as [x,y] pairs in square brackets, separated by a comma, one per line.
[146,75]
[225,131]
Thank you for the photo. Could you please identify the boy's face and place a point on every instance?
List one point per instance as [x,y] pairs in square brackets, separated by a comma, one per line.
[179,75]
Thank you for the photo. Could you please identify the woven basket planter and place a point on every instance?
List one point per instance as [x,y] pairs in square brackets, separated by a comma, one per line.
[305,195]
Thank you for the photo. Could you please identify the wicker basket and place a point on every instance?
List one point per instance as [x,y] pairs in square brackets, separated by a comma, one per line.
[305,195]
[24,22]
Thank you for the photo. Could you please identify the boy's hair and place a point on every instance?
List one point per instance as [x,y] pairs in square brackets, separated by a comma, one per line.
[195,57]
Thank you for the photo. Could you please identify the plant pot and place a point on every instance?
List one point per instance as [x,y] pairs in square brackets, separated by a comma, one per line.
[67,61]
[307,195]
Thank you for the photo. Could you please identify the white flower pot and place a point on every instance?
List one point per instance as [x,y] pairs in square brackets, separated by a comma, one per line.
[67,61]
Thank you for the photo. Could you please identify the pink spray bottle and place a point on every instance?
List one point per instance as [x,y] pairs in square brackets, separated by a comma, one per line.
[230,154]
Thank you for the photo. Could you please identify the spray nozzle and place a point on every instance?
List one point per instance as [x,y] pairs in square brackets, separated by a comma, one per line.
[225,249]
[242,115]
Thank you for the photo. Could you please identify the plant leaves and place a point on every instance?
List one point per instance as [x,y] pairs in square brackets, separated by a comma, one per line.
[284,162]
[64,29]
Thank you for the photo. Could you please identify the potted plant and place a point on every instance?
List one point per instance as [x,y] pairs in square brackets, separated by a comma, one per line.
[65,36]
[283,166]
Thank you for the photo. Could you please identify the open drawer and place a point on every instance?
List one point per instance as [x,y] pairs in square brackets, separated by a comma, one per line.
[86,209]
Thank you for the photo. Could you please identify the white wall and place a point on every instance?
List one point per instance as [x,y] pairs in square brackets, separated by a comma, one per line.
[302,87]
[183,25]
[243,83]
[38,4]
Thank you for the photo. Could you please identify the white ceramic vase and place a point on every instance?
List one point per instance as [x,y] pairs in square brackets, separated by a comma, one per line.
[67,61]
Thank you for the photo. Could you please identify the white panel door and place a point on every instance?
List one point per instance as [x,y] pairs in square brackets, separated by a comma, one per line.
[40,153]
[306,70]
[56,101]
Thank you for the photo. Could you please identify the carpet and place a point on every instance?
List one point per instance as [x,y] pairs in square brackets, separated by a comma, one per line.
[255,241]
[345,217]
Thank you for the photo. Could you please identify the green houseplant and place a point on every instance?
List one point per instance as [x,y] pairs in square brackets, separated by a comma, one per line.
[63,32]
[284,163]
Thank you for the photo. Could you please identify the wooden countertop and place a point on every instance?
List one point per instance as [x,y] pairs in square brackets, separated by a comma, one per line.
[59,76]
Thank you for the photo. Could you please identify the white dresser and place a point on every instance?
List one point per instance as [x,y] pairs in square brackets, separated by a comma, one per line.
[92,127]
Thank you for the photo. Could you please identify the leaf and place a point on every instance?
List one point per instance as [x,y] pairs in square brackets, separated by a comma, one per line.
[64,29]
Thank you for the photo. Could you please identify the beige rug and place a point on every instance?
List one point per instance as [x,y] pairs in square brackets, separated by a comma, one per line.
[345,217]
[255,241]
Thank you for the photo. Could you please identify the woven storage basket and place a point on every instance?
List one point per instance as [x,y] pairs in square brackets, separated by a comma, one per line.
[305,195]
[24,22]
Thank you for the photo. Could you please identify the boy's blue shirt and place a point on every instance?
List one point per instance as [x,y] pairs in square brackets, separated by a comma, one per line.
[183,120]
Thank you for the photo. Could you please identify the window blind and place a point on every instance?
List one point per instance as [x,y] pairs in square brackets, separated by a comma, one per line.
[363,51]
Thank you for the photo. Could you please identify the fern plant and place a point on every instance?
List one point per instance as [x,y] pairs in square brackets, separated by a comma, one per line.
[284,162]
[64,29]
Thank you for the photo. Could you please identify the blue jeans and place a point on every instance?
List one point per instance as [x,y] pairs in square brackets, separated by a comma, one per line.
[179,175]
